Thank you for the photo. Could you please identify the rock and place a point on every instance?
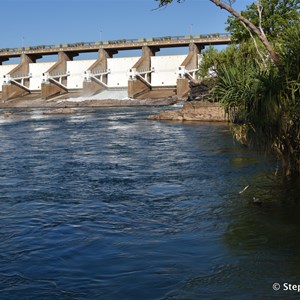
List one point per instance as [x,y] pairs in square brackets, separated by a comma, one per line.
[198,91]
[60,111]
[194,111]
[67,111]
[67,103]
[168,115]
[7,114]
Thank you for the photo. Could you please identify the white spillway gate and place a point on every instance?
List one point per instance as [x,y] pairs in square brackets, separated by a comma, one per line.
[17,79]
[97,76]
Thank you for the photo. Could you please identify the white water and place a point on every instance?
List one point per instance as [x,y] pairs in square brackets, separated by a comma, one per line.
[104,95]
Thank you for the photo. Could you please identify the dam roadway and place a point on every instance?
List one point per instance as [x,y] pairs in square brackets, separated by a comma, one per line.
[139,75]
[122,44]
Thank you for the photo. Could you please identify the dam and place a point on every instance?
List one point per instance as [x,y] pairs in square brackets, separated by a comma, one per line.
[141,76]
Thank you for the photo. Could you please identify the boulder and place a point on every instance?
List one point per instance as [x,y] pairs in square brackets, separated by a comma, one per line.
[194,111]
[198,91]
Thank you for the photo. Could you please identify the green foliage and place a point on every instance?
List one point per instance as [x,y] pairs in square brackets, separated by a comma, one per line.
[209,62]
[260,87]
[263,100]
[277,15]
[233,55]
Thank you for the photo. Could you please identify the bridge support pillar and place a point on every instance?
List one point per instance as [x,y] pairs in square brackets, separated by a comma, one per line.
[183,88]
[96,77]
[16,82]
[55,79]
[189,65]
[2,59]
[138,85]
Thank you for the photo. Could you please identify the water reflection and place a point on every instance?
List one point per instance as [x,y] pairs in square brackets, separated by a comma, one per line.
[112,206]
[266,236]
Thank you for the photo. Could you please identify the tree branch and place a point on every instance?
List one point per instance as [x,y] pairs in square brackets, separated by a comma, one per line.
[256,46]
[273,55]
[259,10]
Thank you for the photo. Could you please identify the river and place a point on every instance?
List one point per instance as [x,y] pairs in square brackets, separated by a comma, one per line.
[111,205]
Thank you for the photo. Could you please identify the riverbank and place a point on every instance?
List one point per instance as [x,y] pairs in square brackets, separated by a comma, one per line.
[194,111]
[67,103]
[191,111]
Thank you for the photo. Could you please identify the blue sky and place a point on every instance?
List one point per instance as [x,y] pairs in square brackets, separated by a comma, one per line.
[44,22]
[62,21]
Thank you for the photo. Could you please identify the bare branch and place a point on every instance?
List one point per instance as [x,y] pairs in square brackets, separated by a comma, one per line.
[259,10]
[256,46]
[252,27]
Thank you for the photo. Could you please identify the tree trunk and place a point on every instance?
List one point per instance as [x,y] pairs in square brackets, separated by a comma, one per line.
[251,26]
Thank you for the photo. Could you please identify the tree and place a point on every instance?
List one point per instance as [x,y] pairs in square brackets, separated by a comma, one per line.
[257,30]
[277,16]
[262,95]
[263,101]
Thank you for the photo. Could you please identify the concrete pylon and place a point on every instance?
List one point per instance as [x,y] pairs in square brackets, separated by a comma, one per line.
[52,87]
[136,84]
[2,59]
[17,80]
[91,83]
[190,63]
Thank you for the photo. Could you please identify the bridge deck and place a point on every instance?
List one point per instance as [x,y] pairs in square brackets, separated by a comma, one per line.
[81,47]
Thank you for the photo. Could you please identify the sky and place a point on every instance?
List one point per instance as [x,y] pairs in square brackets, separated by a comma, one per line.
[44,22]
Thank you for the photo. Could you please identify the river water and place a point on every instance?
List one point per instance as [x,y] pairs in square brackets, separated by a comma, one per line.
[112,206]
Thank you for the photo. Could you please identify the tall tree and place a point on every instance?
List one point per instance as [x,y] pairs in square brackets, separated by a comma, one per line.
[264,103]
[277,15]
[257,30]
[263,98]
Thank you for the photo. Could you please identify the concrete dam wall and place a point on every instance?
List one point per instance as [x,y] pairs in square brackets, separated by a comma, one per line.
[140,75]
[163,72]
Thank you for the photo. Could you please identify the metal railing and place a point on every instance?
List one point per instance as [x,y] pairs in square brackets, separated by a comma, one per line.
[114,42]
[57,74]
[100,72]
[21,75]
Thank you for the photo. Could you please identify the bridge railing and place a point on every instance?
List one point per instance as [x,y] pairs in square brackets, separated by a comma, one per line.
[113,42]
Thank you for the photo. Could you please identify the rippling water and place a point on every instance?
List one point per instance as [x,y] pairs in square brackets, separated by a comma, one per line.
[112,206]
